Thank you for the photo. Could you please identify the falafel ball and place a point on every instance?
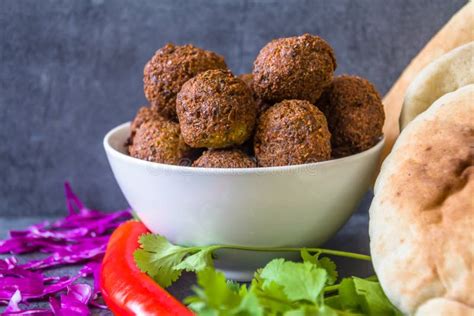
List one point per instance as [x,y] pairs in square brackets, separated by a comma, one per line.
[215,110]
[144,114]
[170,67]
[292,132]
[355,114]
[247,78]
[261,105]
[224,158]
[297,67]
[160,141]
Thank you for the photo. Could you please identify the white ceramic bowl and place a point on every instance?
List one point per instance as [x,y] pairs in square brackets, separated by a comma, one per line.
[300,205]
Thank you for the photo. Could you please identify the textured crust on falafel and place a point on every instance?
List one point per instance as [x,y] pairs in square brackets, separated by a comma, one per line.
[292,132]
[297,67]
[144,114]
[355,114]
[224,158]
[215,110]
[247,78]
[261,105]
[160,141]
[170,67]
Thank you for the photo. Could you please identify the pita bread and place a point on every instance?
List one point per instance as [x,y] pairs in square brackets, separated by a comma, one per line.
[443,307]
[446,74]
[458,31]
[422,216]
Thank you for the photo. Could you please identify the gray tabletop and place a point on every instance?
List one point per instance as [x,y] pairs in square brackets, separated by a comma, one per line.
[353,236]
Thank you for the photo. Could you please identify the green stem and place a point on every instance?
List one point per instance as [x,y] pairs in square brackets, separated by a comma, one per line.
[331,288]
[295,249]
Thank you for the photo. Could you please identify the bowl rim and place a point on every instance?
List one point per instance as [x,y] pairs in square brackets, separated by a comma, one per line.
[166,167]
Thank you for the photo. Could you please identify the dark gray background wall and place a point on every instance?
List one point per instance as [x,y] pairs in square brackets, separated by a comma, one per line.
[71,70]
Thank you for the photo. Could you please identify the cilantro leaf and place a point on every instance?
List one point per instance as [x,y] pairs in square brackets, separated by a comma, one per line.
[302,311]
[158,257]
[270,271]
[325,263]
[348,298]
[249,305]
[198,261]
[364,296]
[271,295]
[273,299]
[306,310]
[300,281]
[237,288]
[215,293]
[375,302]
[331,269]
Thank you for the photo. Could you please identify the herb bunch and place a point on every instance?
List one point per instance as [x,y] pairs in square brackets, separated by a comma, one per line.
[280,288]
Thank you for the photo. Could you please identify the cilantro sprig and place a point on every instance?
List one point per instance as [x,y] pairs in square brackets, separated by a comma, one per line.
[280,288]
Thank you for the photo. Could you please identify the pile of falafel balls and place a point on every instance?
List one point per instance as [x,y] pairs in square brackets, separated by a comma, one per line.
[291,110]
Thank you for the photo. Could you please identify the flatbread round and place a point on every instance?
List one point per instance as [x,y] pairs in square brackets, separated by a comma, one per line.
[444,307]
[446,74]
[456,32]
[422,216]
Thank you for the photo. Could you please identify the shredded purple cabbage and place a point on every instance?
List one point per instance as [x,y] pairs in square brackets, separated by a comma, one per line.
[79,238]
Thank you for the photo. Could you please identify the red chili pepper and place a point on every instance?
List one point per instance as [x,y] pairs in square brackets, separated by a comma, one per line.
[127,290]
